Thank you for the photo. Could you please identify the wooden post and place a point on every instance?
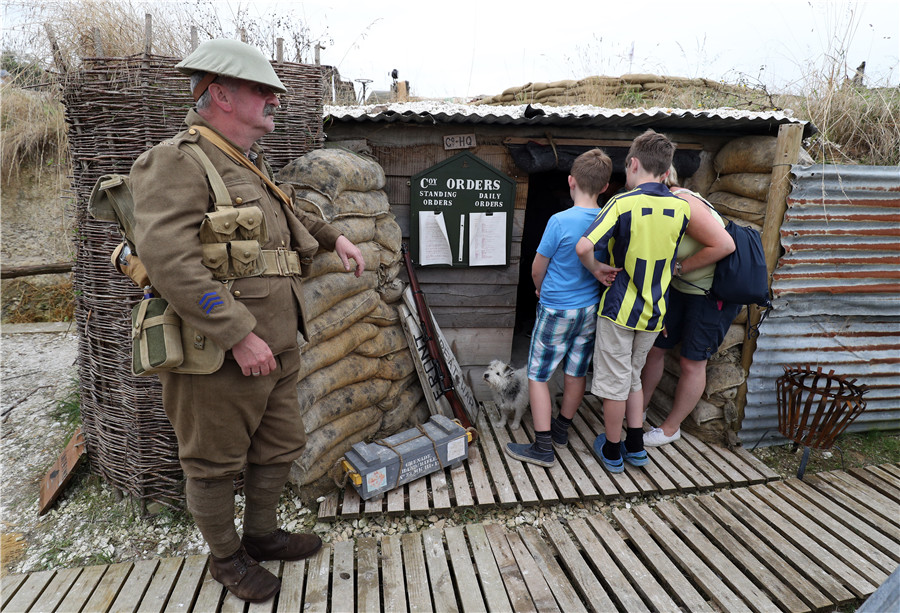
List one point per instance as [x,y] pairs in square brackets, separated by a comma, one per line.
[318,49]
[243,35]
[57,54]
[787,152]
[98,42]
[194,38]
[148,33]
[279,49]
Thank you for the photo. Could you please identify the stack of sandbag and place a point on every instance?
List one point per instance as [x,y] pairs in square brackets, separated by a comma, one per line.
[645,89]
[736,181]
[715,414]
[357,380]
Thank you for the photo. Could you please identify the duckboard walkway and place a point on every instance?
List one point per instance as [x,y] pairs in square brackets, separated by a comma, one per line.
[490,478]
[789,546]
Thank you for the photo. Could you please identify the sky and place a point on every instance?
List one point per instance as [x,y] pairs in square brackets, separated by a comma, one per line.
[468,48]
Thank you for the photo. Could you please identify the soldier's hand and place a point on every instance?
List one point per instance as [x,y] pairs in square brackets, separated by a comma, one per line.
[254,356]
[348,251]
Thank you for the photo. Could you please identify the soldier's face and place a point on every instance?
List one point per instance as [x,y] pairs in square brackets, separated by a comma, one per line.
[255,106]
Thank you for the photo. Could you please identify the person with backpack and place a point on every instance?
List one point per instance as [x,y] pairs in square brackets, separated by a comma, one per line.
[225,247]
[694,318]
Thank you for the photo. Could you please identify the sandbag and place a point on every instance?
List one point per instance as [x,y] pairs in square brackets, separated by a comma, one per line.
[548,92]
[747,184]
[641,78]
[345,401]
[733,336]
[346,313]
[329,261]
[397,387]
[332,171]
[346,204]
[753,153]
[388,340]
[386,275]
[327,444]
[323,292]
[383,315]
[733,206]
[346,371]
[404,406]
[389,235]
[358,230]
[397,365]
[391,290]
[328,352]
[721,377]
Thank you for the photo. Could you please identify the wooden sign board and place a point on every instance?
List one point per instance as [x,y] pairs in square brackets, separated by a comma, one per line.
[61,472]
[429,373]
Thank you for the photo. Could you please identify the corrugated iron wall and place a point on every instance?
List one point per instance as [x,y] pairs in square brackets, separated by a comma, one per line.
[836,294]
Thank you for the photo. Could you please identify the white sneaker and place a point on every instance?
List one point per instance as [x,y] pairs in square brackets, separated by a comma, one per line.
[657,437]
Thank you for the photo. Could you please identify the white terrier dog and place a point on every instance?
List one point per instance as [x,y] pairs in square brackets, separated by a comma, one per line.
[510,390]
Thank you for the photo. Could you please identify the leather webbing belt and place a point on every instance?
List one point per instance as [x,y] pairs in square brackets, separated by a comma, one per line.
[281,263]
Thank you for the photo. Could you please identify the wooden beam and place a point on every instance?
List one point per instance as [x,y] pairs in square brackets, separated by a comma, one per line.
[585,142]
[13,272]
[787,152]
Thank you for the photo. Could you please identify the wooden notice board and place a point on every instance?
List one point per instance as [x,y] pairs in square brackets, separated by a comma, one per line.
[461,214]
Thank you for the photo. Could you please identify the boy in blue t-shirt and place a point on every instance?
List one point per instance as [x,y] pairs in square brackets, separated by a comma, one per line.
[565,324]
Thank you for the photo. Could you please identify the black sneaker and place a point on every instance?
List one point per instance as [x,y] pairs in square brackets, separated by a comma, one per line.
[559,434]
[528,452]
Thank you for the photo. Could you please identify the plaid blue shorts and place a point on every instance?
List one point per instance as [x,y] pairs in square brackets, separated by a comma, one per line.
[562,335]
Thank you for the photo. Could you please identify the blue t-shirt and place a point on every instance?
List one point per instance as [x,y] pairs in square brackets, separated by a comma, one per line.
[567,284]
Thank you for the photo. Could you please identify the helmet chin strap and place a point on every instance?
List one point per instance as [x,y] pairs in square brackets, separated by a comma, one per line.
[203,85]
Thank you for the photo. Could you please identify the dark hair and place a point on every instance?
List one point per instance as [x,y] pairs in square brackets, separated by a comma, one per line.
[654,151]
[591,171]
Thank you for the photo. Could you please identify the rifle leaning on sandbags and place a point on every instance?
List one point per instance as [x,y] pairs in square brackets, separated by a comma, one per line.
[446,388]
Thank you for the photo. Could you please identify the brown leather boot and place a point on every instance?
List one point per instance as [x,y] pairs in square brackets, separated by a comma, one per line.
[244,577]
[282,545]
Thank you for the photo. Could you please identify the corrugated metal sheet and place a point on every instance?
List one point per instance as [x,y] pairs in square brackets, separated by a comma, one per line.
[836,294]
[585,116]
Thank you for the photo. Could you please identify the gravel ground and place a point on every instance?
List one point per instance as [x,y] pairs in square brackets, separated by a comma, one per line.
[91,524]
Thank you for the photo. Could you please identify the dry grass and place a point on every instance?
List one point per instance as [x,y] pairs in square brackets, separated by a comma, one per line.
[34,129]
[25,301]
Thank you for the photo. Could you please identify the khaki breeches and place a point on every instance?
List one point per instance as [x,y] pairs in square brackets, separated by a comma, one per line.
[224,420]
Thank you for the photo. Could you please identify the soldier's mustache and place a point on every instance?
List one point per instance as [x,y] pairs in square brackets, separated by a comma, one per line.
[269,109]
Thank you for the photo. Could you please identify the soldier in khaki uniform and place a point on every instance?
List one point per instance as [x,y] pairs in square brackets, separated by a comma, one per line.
[246,415]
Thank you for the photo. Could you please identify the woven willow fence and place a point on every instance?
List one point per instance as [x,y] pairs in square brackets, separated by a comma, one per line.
[117,108]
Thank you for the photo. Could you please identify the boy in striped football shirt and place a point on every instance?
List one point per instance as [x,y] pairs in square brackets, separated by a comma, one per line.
[639,231]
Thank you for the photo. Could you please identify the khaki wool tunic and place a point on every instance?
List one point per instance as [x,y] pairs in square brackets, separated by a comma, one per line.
[224,419]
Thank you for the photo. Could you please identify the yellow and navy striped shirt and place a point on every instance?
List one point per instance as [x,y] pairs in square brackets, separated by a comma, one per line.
[639,231]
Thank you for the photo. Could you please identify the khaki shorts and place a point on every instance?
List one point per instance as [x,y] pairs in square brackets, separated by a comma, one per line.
[619,356]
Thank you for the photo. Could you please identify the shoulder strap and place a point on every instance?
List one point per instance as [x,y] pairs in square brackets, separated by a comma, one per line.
[220,192]
[236,155]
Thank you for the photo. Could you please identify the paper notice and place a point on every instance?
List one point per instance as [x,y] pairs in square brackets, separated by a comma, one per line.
[434,243]
[487,239]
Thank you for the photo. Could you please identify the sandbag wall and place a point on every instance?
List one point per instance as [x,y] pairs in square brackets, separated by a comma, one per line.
[631,88]
[736,181]
[358,380]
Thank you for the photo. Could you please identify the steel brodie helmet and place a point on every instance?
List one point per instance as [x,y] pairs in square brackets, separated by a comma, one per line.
[229,58]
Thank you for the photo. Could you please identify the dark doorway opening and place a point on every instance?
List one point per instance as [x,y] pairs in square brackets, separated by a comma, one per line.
[548,193]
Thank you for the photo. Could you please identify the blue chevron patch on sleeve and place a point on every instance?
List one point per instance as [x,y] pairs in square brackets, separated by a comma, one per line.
[209,301]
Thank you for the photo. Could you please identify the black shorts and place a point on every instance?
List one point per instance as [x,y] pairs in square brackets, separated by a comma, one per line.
[699,323]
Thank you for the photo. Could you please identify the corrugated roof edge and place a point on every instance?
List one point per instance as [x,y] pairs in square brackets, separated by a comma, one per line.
[432,111]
